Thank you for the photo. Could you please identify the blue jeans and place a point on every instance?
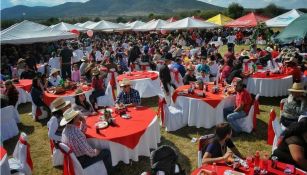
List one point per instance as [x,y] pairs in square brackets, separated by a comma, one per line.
[232,117]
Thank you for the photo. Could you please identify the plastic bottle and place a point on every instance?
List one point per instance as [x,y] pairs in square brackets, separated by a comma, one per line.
[257,159]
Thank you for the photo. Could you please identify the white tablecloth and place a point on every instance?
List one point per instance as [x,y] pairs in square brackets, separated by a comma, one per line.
[149,140]
[146,87]
[198,113]
[23,96]
[269,87]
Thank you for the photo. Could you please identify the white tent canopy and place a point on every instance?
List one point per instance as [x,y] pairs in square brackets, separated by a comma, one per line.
[189,23]
[86,24]
[105,26]
[133,25]
[151,25]
[62,26]
[285,19]
[28,32]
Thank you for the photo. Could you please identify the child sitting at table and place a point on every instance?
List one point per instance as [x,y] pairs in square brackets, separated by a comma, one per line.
[75,75]
[216,150]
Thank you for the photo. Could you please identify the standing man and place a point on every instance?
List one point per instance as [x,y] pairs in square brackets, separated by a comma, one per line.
[231,38]
[66,55]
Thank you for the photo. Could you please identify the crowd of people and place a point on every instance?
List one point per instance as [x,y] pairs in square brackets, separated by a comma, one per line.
[191,54]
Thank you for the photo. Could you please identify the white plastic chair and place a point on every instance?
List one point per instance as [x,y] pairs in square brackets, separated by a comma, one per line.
[38,113]
[174,81]
[4,164]
[96,168]
[107,99]
[277,130]
[8,119]
[203,141]
[20,161]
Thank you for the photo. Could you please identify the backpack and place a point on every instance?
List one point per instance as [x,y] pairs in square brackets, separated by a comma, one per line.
[165,159]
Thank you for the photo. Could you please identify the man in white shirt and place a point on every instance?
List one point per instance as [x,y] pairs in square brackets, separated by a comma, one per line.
[77,56]
[54,62]
[98,56]
[231,41]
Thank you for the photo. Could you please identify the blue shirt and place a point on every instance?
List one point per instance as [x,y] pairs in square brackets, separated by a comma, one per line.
[180,68]
[127,98]
[203,67]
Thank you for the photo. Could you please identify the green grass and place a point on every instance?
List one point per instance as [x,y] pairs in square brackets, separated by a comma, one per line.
[180,140]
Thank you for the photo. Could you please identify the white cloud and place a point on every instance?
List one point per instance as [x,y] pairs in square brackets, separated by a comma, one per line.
[40,2]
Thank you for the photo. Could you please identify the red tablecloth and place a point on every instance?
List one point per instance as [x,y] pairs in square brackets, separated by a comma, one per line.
[212,99]
[221,168]
[127,131]
[25,84]
[271,76]
[2,152]
[138,75]
[50,97]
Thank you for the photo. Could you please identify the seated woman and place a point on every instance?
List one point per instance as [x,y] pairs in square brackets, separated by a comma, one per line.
[11,92]
[37,92]
[82,105]
[293,147]
[54,78]
[99,87]
[58,107]
[216,151]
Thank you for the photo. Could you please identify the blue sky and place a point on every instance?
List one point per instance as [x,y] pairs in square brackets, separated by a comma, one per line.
[246,3]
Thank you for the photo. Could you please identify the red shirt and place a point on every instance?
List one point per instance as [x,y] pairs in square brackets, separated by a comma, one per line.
[275,54]
[244,97]
[295,72]
[97,84]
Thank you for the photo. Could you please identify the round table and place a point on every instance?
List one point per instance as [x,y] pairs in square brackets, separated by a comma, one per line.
[202,111]
[274,85]
[68,95]
[146,82]
[221,168]
[24,84]
[129,138]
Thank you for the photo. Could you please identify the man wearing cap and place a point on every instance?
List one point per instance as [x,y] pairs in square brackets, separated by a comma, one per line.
[189,76]
[242,107]
[54,78]
[74,137]
[128,96]
[295,105]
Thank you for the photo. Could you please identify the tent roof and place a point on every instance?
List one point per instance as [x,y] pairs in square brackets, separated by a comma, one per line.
[62,26]
[27,32]
[151,25]
[295,30]
[105,26]
[172,19]
[220,19]
[249,20]
[133,25]
[86,24]
[285,19]
[188,23]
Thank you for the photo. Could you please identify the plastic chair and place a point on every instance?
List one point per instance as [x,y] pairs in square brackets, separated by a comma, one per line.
[4,164]
[21,161]
[72,165]
[202,143]
[107,99]
[8,122]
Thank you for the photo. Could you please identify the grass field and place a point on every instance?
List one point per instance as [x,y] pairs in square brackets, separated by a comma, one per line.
[180,140]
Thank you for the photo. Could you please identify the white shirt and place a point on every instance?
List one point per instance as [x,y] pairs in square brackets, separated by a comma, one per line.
[55,81]
[54,63]
[52,128]
[77,56]
[273,66]
[231,39]
[98,55]
[214,68]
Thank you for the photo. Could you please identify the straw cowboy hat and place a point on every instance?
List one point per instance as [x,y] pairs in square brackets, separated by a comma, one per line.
[58,104]
[244,53]
[68,116]
[297,87]
[54,70]
[125,82]
[20,60]
[95,72]
[269,49]
[79,92]
[84,59]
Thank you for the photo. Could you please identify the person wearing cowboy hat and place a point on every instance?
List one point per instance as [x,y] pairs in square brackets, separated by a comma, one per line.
[82,105]
[99,87]
[128,96]
[57,107]
[291,68]
[83,65]
[54,77]
[295,105]
[189,76]
[73,136]
[21,63]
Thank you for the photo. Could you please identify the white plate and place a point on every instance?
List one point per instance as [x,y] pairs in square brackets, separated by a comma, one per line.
[102,124]
[109,109]
[126,116]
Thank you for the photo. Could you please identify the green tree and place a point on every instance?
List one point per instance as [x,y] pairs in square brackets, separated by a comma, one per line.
[97,19]
[120,19]
[235,10]
[151,16]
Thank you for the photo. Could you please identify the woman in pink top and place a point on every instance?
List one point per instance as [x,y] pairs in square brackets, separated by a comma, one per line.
[75,75]
[226,68]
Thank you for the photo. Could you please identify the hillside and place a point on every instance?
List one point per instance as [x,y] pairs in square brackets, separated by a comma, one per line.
[105,8]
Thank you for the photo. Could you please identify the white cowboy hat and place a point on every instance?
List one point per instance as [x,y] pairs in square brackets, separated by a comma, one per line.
[125,82]
[68,116]
[297,87]
[244,53]
[58,104]
[54,70]
[269,49]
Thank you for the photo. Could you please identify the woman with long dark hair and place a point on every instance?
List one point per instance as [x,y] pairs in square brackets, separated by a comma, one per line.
[11,92]
[293,147]
[37,92]
[82,105]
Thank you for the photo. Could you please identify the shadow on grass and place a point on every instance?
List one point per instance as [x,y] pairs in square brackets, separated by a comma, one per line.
[188,131]
[270,101]
[143,165]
